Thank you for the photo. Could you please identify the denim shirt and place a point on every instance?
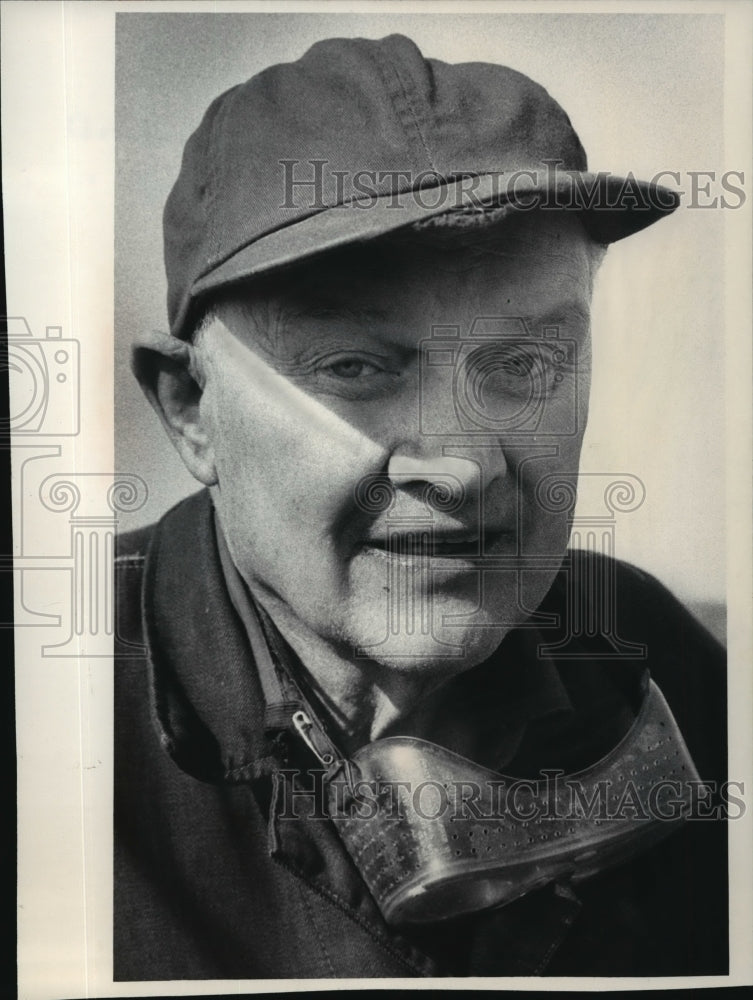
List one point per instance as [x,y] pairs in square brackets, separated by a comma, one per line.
[211,883]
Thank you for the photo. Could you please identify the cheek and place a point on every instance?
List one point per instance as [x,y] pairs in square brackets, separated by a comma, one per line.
[285,460]
[548,479]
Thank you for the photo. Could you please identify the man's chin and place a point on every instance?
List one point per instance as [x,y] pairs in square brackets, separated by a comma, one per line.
[448,631]
[442,650]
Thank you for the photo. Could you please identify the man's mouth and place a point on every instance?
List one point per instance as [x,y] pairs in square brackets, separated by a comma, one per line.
[437,545]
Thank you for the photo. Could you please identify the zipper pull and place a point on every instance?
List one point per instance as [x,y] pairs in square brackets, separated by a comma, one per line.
[304,725]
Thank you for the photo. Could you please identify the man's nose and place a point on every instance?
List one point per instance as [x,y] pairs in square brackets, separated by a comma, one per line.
[447,480]
[448,473]
[431,441]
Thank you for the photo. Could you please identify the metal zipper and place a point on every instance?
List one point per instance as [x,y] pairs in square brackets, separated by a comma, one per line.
[304,725]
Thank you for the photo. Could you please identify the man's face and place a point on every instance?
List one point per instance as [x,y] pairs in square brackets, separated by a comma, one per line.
[388,435]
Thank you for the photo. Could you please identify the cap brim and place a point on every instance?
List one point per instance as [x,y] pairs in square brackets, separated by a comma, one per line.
[611,208]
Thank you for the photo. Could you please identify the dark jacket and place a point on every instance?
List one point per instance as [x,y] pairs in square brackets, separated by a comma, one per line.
[209,885]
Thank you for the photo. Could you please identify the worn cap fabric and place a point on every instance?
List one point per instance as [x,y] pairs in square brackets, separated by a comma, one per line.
[360,137]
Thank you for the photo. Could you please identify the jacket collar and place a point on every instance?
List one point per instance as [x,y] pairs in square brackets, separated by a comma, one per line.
[207,698]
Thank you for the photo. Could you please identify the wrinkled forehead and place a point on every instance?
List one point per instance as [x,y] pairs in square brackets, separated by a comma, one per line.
[530,264]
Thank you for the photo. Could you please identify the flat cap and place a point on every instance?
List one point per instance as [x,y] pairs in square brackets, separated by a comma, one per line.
[361,137]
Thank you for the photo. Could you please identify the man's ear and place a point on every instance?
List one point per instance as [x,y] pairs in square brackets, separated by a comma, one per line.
[167,372]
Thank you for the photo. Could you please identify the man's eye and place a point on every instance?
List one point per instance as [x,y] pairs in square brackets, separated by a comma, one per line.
[351,368]
[504,364]
[355,377]
[513,370]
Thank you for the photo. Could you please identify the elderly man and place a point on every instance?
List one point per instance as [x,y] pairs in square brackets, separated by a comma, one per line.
[380,271]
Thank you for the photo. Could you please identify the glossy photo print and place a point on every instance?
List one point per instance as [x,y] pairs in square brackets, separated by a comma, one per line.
[402,602]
